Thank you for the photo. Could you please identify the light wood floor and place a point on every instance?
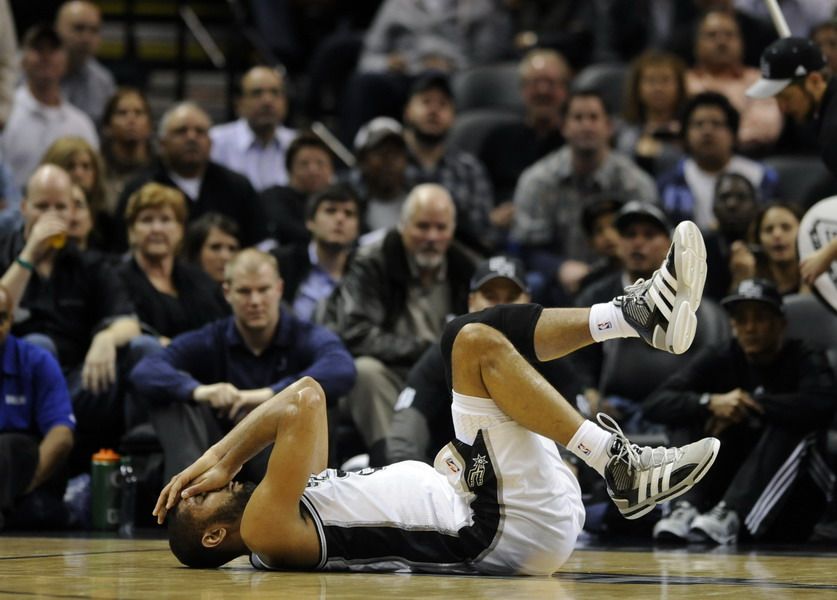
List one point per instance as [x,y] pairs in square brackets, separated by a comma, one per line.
[144,569]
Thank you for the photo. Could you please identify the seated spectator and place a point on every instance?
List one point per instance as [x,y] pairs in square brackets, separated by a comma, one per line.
[69,302]
[428,118]
[211,241]
[422,423]
[709,125]
[208,380]
[170,296]
[729,257]
[769,400]
[310,170]
[510,148]
[393,303]
[87,83]
[552,193]
[80,225]
[825,36]
[380,176]
[655,95]
[311,271]
[40,114]
[184,163]
[255,144]
[84,165]
[36,431]
[774,235]
[598,221]
[127,147]
[719,68]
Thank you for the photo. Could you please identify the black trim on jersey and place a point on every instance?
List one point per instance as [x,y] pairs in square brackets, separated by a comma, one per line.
[382,543]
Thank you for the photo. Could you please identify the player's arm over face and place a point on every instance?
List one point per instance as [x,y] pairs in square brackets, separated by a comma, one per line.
[274,524]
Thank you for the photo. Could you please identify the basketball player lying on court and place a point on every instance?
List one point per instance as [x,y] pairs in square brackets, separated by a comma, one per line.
[499,501]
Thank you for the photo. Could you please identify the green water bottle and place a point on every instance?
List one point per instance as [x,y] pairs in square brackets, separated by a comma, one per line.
[105,490]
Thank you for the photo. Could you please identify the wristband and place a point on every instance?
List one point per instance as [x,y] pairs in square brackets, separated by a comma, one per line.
[25,264]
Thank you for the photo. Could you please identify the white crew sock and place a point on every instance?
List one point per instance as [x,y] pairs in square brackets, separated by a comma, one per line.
[607,322]
[590,444]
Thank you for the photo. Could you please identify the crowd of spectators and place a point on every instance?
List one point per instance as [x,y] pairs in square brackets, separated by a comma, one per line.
[171,272]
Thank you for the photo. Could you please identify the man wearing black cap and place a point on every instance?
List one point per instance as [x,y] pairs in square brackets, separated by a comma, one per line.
[40,114]
[769,400]
[428,118]
[792,71]
[422,423]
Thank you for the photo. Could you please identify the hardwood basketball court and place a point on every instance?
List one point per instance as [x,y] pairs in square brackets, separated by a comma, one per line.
[64,567]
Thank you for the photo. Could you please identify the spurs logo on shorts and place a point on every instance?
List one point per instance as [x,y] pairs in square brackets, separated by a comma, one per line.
[476,475]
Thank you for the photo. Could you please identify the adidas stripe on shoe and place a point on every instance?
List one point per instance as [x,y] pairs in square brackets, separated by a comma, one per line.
[662,309]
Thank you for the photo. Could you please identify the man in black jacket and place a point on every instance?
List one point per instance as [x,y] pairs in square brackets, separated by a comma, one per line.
[184,164]
[769,400]
[393,303]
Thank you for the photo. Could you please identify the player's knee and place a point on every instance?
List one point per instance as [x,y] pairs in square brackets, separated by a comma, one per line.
[477,337]
[310,390]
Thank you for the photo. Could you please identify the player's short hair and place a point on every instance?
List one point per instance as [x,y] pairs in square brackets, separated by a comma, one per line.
[185,533]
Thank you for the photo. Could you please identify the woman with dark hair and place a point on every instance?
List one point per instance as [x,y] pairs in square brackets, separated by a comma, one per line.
[773,235]
[655,94]
[211,241]
[171,297]
[126,141]
[84,165]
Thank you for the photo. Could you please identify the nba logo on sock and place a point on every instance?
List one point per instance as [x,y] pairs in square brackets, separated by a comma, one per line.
[603,325]
[583,449]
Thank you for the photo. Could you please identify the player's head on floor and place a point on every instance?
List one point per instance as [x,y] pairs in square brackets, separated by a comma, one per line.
[204,529]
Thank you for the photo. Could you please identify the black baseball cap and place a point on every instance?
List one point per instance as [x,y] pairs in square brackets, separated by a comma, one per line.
[636,210]
[782,62]
[41,34]
[432,80]
[500,266]
[755,290]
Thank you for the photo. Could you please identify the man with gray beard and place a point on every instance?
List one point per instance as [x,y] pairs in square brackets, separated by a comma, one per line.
[393,303]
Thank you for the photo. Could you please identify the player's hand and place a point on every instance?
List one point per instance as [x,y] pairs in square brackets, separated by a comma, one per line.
[204,475]
[220,396]
[99,370]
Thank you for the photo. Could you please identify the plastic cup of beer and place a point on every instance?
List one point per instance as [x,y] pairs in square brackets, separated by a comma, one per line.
[58,240]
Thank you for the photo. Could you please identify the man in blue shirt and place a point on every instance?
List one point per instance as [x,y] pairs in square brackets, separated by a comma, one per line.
[36,424]
[209,379]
